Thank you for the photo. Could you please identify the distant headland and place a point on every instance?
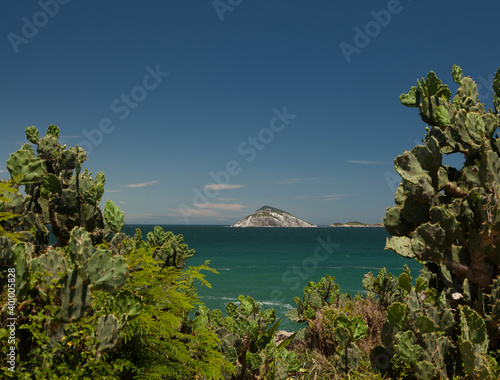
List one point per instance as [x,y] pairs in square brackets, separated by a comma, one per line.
[356,224]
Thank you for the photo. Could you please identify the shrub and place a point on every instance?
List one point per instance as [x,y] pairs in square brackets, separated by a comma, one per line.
[97,304]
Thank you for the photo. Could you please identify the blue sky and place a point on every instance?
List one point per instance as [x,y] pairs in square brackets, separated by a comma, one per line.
[202,112]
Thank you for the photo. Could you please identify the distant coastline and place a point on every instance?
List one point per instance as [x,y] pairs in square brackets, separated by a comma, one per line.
[356,224]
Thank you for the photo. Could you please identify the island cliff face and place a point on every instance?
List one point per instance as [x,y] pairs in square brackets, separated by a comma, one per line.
[267,216]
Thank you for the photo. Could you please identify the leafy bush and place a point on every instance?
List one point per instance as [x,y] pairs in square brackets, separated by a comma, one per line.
[247,340]
[337,326]
[6,215]
[162,342]
[97,304]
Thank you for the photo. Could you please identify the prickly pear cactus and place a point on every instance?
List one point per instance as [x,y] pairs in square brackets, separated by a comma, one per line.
[169,248]
[316,296]
[113,215]
[80,293]
[246,335]
[442,214]
[433,334]
[449,218]
[108,331]
[58,193]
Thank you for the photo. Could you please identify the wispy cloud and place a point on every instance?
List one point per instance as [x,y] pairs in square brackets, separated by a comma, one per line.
[363,162]
[208,211]
[113,191]
[201,213]
[144,184]
[291,181]
[220,199]
[321,198]
[3,171]
[221,186]
[220,206]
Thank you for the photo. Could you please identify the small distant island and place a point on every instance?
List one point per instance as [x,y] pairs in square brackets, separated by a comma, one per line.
[268,216]
[356,224]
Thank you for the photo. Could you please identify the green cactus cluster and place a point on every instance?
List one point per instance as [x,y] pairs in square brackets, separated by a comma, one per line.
[442,214]
[332,328]
[315,297]
[75,274]
[169,248]
[385,286]
[435,334]
[346,332]
[246,335]
[449,218]
[58,193]
[94,302]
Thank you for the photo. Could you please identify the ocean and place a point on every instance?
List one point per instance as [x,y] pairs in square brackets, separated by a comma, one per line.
[273,265]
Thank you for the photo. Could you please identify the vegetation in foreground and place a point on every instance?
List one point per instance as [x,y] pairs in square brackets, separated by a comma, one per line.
[100,304]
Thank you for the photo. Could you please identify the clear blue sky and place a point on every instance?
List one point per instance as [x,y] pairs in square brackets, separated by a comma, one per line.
[285,103]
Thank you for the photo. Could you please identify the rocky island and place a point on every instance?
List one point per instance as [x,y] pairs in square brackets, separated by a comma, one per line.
[267,216]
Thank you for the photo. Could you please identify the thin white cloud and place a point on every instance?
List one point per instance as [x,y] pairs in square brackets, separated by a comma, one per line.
[291,181]
[222,186]
[321,198]
[220,199]
[205,213]
[144,184]
[3,171]
[220,206]
[113,191]
[363,162]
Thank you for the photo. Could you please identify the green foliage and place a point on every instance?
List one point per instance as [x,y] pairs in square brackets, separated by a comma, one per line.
[346,332]
[121,326]
[449,219]
[385,286]
[161,341]
[24,166]
[339,328]
[169,248]
[57,193]
[247,339]
[316,296]
[442,214]
[114,216]
[97,304]
[430,334]
[7,213]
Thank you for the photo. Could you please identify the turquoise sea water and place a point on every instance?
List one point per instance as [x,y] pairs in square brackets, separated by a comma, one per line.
[273,265]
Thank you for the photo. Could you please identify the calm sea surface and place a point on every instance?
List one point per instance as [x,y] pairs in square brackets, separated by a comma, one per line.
[273,265]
